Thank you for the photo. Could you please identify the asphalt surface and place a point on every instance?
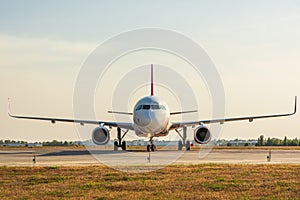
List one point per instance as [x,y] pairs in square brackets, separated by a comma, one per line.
[86,157]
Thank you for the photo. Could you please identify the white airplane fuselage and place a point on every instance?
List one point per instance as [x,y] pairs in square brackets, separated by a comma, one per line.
[151,117]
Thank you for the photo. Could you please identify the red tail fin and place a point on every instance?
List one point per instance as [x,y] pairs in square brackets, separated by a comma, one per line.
[152,86]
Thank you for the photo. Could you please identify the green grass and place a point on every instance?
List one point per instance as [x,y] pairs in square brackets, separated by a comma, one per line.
[53,167]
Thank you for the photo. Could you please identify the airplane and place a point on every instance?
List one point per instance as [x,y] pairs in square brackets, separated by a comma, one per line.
[151,118]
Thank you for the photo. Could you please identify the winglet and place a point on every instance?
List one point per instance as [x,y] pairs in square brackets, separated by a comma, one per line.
[8,109]
[152,86]
[295,109]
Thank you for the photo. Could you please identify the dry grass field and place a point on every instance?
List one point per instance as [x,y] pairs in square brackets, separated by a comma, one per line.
[206,181]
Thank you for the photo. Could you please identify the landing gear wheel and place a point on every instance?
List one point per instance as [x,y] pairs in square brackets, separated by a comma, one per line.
[188,145]
[180,145]
[123,146]
[153,147]
[119,142]
[148,148]
[116,146]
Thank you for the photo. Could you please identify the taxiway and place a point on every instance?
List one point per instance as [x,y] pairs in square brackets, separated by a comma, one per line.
[81,157]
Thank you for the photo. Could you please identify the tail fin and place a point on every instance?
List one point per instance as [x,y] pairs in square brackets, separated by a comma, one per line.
[152,85]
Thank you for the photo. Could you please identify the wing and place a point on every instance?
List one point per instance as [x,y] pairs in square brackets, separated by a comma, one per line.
[221,121]
[124,125]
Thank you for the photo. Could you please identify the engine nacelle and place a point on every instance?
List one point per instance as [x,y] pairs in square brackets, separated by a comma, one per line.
[100,136]
[202,135]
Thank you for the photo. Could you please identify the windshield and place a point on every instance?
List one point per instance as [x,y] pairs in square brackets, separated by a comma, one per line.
[152,107]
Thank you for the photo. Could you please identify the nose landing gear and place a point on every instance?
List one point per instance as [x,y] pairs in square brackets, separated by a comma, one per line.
[151,146]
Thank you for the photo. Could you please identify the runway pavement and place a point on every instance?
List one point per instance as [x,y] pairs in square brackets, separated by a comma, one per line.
[83,157]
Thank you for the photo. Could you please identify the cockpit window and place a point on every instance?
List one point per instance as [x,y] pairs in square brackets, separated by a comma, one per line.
[154,107]
[146,107]
[162,107]
[139,107]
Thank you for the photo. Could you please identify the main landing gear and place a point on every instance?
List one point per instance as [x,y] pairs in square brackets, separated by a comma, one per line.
[151,146]
[183,141]
[119,142]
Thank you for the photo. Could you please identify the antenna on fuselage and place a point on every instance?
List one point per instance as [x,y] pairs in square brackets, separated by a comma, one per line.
[152,85]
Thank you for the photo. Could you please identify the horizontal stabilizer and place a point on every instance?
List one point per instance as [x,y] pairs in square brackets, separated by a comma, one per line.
[183,112]
[122,113]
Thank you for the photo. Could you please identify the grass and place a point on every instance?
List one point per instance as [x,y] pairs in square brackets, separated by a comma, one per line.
[207,181]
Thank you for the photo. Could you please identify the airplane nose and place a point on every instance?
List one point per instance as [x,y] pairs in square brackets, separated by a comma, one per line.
[143,120]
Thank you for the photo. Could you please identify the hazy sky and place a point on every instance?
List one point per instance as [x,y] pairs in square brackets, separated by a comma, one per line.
[255,46]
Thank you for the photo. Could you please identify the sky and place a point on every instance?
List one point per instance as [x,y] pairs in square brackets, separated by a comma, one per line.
[254,45]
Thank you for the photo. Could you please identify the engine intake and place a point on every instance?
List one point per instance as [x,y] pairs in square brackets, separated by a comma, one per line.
[202,135]
[100,136]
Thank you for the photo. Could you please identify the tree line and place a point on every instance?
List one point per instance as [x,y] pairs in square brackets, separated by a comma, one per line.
[47,143]
[262,141]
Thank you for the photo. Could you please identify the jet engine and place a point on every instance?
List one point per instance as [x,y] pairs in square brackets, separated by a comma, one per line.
[202,135]
[100,136]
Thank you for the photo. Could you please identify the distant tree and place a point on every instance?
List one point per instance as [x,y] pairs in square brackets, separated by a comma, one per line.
[268,143]
[52,143]
[293,142]
[276,142]
[58,143]
[260,141]
[285,142]
[246,144]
